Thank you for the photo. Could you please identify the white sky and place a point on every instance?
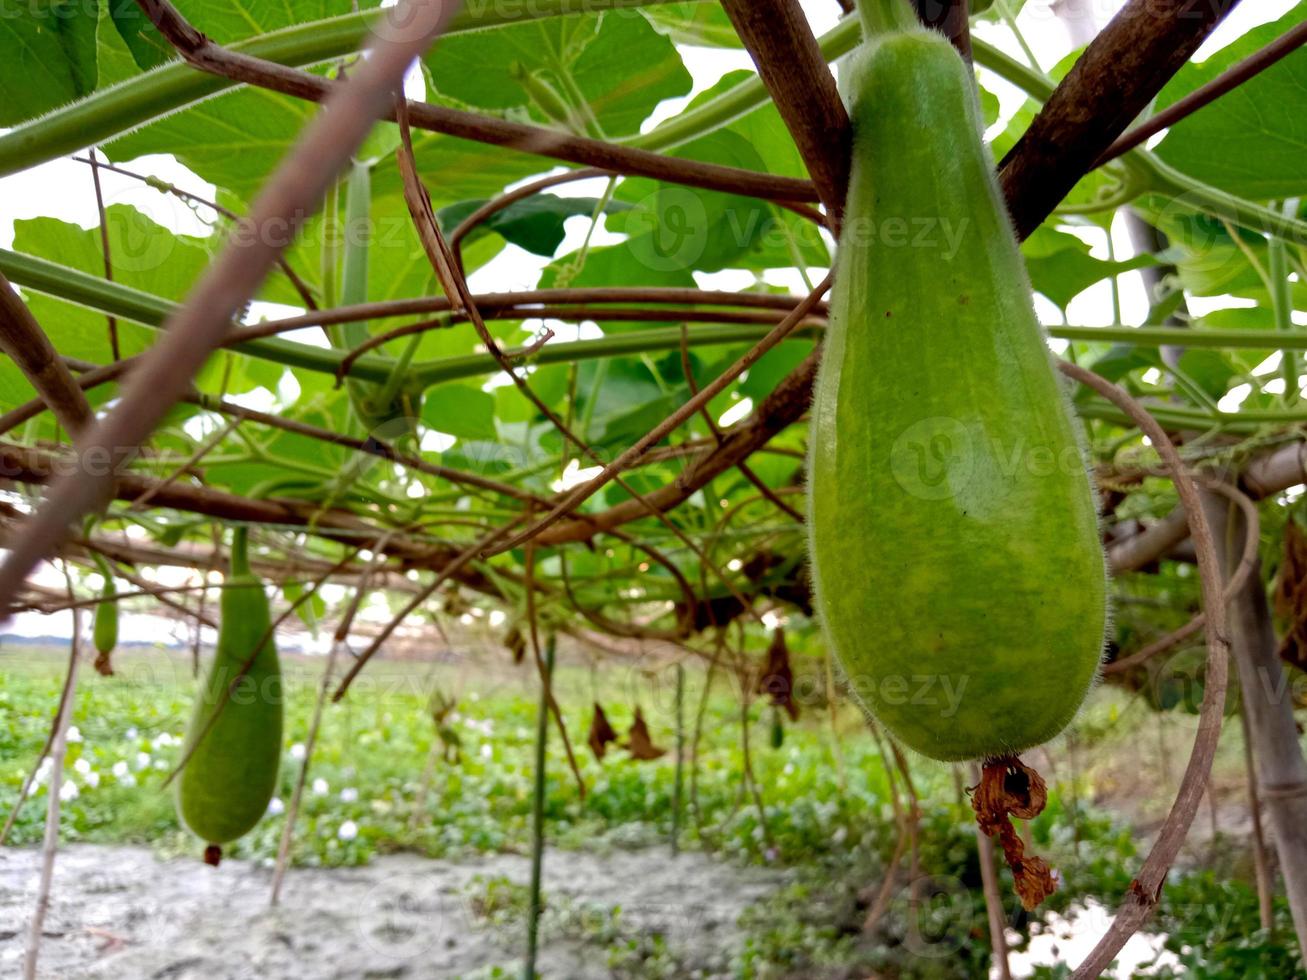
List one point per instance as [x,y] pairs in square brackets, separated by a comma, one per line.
[62,189]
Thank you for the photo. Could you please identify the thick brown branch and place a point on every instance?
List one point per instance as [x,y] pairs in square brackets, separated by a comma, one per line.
[1227,81]
[28,465]
[22,338]
[1112,83]
[522,137]
[790,63]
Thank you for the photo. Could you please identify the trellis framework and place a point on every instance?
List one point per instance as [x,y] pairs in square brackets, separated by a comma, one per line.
[1083,124]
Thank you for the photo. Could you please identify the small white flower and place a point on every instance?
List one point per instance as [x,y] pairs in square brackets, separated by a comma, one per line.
[74,734]
[128,780]
[42,772]
[68,791]
[348,830]
[297,751]
[131,732]
[275,806]
[163,740]
[349,795]
[486,750]
[142,760]
[120,769]
[83,766]
[92,779]
[320,787]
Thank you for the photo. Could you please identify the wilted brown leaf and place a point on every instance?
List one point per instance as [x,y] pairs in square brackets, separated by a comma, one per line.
[638,742]
[601,733]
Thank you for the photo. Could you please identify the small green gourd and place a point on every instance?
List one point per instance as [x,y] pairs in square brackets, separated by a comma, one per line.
[234,738]
[954,534]
[104,632]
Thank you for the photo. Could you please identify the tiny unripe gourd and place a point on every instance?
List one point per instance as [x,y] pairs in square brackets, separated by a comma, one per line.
[230,777]
[104,632]
[954,535]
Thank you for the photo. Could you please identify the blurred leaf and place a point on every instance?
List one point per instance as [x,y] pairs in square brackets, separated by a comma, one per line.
[311,610]
[1210,369]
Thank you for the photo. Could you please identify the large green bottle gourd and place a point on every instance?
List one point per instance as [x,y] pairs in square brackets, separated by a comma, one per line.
[226,785]
[954,536]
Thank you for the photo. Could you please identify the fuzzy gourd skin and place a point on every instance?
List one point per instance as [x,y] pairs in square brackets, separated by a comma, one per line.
[954,536]
[104,631]
[225,787]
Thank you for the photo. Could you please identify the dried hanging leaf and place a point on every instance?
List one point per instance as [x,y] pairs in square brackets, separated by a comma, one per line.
[1010,788]
[777,678]
[516,644]
[102,664]
[1291,595]
[454,603]
[638,742]
[601,733]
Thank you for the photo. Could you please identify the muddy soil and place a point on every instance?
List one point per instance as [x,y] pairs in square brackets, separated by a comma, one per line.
[122,912]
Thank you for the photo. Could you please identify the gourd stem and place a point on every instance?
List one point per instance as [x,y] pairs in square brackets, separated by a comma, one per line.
[240,551]
[886,16]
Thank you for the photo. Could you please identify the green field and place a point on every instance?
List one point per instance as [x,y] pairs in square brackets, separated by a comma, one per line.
[830,818]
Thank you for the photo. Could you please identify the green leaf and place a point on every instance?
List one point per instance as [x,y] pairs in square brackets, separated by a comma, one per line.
[1061,267]
[228,22]
[311,610]
[147,46]
[47,55]
[460,410]
[145,255]
[1210,369]
[535,223]
[234,141]
[698,24]
[616,62]
[1251,141]
[1119,361]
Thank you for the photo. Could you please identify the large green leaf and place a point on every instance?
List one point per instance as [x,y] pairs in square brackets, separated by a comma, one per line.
[1061,267]
[701,24]
[228,22]
[147,46]
[234,141]
[1252,141]
[460,410]
[615,63]
[47,55]
[145,255]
